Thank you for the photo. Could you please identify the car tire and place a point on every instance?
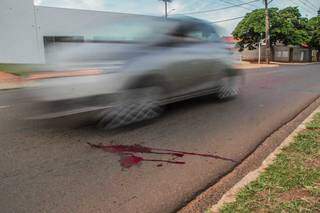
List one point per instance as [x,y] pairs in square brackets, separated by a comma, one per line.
[145,106]
[228,88]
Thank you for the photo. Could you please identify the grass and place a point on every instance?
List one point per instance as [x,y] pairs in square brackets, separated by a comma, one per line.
[19,69]
[291,183]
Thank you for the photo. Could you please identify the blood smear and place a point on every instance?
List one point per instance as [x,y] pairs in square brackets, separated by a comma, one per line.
[128,159]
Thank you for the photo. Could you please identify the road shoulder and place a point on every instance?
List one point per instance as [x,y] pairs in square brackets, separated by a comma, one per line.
[283,173]
[211,196]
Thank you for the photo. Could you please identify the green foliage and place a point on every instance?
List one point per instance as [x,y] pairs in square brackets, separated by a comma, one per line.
[22,70]
[287,26]
[251,29]
[314,32]
[290,27]
[315,124]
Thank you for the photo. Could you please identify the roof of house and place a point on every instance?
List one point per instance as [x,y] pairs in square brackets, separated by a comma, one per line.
[230,39]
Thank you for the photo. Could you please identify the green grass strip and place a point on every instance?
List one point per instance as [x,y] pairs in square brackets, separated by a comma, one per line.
[291,183]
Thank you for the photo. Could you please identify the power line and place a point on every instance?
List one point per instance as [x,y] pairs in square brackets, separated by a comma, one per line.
[231,3]
[225,1]
[311,3]
[303,8]
[251,4]
[295,3]
[222,8]
[225,20]
[235,18]
[306,5]
[195,3]
[307,8]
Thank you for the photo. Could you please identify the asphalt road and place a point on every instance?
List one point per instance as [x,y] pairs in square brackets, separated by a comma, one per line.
[47,169]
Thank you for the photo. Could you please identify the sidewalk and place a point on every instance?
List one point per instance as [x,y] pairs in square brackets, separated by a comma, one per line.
[248,65]
[288,180]
[295,64]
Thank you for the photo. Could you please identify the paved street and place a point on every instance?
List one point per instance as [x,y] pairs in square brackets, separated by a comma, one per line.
[46,169]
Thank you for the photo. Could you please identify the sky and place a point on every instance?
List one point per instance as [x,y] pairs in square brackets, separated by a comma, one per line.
[308,8]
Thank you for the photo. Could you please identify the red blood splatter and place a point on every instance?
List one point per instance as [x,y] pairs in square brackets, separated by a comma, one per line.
[122,148]
[165,161]
[133,148]
[128,159]
[198,154]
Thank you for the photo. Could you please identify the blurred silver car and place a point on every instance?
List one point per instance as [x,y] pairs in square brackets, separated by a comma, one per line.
[128,72]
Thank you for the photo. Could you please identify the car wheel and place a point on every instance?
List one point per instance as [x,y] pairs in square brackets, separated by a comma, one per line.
[228,89]
[139,105]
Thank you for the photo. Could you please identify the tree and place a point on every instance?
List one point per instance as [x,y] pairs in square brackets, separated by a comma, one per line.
[286,26]
[314,32]
[292,28]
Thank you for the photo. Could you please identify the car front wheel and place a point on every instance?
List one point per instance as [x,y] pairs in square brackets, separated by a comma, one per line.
[135,106]
[228,88]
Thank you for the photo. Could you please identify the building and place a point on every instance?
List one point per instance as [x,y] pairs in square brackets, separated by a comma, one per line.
[27,29]
[230,40]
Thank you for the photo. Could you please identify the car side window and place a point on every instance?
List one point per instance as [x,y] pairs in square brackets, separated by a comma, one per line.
[190,33]
[203,34]
[197,35]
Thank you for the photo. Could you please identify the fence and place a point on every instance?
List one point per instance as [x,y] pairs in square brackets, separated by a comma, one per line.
[283,54]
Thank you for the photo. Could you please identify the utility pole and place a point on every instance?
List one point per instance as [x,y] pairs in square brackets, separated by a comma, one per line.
[266,4]
[260,43]
[166,7]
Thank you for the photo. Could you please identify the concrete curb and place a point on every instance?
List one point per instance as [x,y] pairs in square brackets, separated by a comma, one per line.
[248,66]
[295,64]
[230,196]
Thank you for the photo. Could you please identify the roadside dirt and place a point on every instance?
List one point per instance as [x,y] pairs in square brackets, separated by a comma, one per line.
[294,194]
[7,77]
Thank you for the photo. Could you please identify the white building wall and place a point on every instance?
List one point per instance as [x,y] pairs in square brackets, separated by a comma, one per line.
[68,22]
[25,26]
[18,36]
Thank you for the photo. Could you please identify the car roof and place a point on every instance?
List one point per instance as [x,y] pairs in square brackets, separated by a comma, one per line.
[189,19]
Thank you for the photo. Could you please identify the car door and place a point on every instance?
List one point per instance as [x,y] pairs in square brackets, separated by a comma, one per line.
[208,59]
[185,61]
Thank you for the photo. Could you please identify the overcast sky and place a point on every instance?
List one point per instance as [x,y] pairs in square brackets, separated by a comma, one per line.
[155,7]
